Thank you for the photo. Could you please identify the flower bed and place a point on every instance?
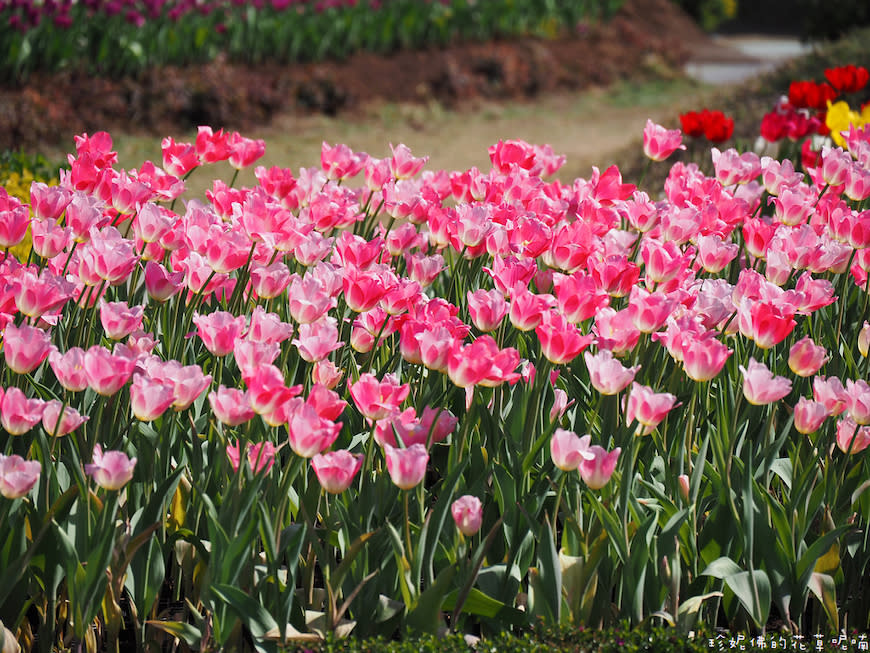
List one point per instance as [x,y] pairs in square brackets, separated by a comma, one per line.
[125,38]
[351,399]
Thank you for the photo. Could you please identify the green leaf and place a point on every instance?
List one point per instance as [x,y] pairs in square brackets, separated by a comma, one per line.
[426,616]
[688,610]
[189,634]
[432,529]
[758,606]
[822,585]
[249,611]
[547,578]
[722,568]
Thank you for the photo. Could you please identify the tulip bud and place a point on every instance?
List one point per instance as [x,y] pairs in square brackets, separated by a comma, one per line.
[864,339]
[467,512]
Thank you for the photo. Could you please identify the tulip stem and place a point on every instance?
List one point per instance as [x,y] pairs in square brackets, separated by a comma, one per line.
[408,528]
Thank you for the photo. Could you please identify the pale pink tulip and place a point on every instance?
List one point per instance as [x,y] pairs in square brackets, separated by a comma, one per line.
[852,438]
[858,401]
[467,512]
[607,374]
[809,415]
[231,406]
[760,386]
[106,372]
[120,320]
[69,421]
[376,399]
[149,398]
[219,331]
[18,414]
[69,368]
[25,347]
[316,340]
[806,358]
[568,450]
[309,433]
[406,467]
[335,470]
[597,470]
[111,470]
[647,407]
[704,358]
[17,476]
[659,143]
[261,456]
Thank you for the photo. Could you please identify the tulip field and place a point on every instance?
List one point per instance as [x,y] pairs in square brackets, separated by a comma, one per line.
[370,397]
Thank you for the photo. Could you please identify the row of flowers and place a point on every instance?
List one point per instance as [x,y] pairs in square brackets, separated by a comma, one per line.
[122,37]
[387,346]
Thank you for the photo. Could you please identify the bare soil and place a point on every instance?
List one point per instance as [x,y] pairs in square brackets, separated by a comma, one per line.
[646,39]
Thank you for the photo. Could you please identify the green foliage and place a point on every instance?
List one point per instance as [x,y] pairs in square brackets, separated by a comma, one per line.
[541,639]
[110,45]
[823,19]
[709,13]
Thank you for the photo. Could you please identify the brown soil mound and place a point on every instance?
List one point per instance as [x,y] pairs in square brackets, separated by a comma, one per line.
[645,35]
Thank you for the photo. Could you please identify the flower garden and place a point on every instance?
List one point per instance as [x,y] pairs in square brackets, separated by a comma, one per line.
[371,398]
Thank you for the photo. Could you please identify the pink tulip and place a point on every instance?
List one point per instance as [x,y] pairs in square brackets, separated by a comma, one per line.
[468,365]
[231,406]
[561,341]
[851,438]
[647,407]
[597,470]
[760,386]
[268,328]
[13,225]
[252,355]
[17,476]
[487,309]
[69,368]
[261,456]
[527,309]
[735,168]
[659,143]
[178,158]
[152,223]
[340,162]
[335,470]
[149,398]
[106,372]
[219,331]
[309,433]
[560,404]
[119,320]
[376,399]
[49,238]
[406,467]
[615,330]
[36,295]
[316,340]
[111,470]
[806,358]
[187,382]
[714,254]
[69,421]
[607,374]
[467,512]
[160,283]
[836,164]
[771,324]
[809,415]
[244,152]
[704,358]
[25,347]
[568,450]
[18,414]
[326,373]
[402,164]
[326,403]
[578,297]
[649,311]
[614,274]
[48,202]
[831,393]
[858,401]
